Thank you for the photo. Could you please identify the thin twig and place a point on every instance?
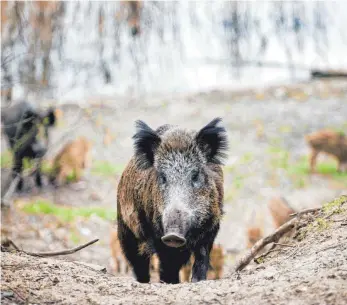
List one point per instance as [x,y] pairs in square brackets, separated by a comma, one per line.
[50,254]
[293,252]
[265,254]
[6,199]
[339,220]
[328,248]
[284,245]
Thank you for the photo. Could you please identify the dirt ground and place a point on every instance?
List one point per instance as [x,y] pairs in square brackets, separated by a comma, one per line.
[266,129]
[310,271]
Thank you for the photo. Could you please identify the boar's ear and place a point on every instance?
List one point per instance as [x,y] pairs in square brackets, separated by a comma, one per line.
[146,142]
[213,141]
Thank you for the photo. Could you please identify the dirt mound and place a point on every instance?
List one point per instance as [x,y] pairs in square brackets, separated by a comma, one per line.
[312,269]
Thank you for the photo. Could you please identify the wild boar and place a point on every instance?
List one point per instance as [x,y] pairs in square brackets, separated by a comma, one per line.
[21,124]
[170,199]
[329,142]
[253,235]
[280,211]
[73,158]
[119,260]
[117,254]
[215,271]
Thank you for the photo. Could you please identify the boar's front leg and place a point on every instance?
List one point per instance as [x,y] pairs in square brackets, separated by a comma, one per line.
[170,265]
[129,243]
[201,264]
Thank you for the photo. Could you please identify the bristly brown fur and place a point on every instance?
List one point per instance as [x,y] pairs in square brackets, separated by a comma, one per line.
[216,265]
[215,139]
[74,157]
[280,211]
[144,135]
[117,255]
[141,201]
[253,235]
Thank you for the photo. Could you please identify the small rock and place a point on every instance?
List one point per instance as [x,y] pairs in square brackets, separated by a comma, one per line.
[93,266]
[6,294]
[301,289]
[55,281]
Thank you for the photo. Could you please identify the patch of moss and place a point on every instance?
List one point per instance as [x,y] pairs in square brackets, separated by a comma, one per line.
[65,213]
[335,205]
[259,260]
[322,224]
[104,168]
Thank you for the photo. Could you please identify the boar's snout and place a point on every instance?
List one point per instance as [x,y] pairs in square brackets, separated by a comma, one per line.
[174,240]
[176,224]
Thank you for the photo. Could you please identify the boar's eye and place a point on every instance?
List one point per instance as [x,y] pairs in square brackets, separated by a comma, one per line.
[162,179]
[195,177]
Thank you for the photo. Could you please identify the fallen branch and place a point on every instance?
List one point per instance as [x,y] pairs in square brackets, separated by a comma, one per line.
[9,242]
[312,210]
[260,244]
[272,238]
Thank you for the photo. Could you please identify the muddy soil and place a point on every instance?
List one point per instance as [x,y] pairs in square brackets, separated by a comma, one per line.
[310,271]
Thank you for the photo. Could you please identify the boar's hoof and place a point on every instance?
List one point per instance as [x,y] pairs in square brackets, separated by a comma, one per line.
[174,240]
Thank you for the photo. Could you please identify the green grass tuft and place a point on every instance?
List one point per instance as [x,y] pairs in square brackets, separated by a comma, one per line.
[104,168]
[329,168]
[65,213]
[279,157]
